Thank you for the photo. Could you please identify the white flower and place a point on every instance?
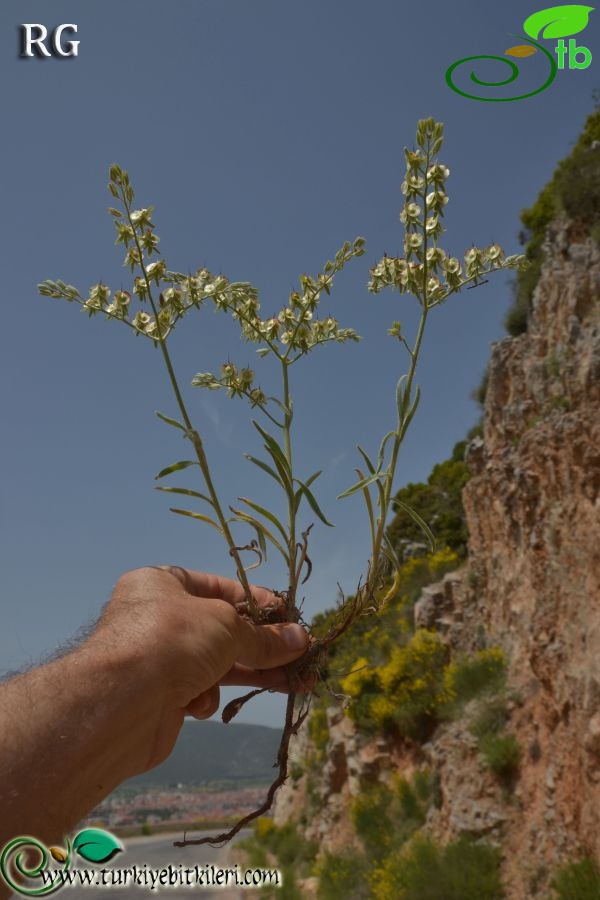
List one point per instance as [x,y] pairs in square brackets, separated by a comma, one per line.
[435,255]
[452,266]
[414,240]
[438,173]
[494,252]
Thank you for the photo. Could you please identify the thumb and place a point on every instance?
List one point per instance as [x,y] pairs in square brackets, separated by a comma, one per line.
[268,646]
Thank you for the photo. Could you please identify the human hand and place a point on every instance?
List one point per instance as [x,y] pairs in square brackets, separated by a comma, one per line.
[182,628]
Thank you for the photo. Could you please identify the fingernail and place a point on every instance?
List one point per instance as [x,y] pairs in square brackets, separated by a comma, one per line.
[295,637]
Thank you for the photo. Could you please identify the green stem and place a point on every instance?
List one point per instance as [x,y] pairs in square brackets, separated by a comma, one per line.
[402,421]
[287,441]
[191,432]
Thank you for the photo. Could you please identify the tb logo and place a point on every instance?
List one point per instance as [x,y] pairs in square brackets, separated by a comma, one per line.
[33,37]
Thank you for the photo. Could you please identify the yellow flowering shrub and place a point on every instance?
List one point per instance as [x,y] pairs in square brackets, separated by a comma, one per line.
[404,693]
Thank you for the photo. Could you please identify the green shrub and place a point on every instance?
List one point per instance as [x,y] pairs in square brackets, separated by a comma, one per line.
[481,390]
[575,189]
[517,317]
[491,717]
[343,876]
[438,502]
[425,871]
[578,881]
[385,817]
[470,676]
[501,754]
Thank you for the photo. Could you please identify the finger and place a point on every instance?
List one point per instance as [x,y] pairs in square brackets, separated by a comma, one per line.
[270,679]
[205,584]
[205,704]
[268,646]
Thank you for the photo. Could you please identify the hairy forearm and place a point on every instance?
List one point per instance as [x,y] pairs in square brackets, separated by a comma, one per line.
[66,737]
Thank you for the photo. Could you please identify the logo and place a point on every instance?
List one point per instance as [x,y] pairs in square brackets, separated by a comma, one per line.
[92,844]
[555,22]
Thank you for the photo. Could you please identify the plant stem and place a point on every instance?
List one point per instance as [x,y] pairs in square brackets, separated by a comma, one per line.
[192,434]
[287,441]
[402,419]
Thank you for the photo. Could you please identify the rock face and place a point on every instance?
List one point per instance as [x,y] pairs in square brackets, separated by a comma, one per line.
[534,542]
[532,586]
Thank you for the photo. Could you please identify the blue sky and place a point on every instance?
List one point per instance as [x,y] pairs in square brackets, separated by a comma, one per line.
[265,134]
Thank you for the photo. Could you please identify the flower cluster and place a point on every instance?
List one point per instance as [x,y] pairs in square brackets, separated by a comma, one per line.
[296,328]
[238,382]
[426,269]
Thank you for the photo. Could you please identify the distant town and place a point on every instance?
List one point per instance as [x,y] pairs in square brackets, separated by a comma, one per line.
[154,808]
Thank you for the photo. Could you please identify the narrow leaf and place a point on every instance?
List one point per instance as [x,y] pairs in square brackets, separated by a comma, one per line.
[370,465]
[557,21]
[391,552]
[274,449]
[300,491]
[312,502]
[256,524]
[367,496]
[268,515]
[266,468]
[195,515]
[170,421]
[400,400]
[261,542]
[408,418]
[361,484]
[419,521]
[382,448]
[176,467]
[186,491]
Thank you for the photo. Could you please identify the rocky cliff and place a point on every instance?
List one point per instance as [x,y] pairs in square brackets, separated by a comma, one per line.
[531,586]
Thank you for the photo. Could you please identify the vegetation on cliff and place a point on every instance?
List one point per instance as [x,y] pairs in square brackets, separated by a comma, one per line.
[574,190]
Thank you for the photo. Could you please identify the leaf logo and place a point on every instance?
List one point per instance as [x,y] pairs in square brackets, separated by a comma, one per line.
[557,21]
[520,50]
[96,845]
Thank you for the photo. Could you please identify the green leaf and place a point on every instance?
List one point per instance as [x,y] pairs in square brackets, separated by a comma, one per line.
[362,484]
[96,845]
[557,21]
[268,515]
[400,398]
[257,525]
[369,503]
[186,491]
[408,417]
[300,491]
[260,535]
[176,467]
[266,468]
[195,515]
[277,454]
[312,502]
[370,465]
[390,552]
[382,448]
[420,522]
[170,421]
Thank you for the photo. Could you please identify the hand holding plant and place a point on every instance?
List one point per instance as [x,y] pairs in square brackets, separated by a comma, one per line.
[425,270]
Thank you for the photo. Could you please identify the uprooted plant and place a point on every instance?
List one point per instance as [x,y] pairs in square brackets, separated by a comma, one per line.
[425,270]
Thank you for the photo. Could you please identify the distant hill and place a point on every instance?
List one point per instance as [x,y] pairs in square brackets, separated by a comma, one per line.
[211,751]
